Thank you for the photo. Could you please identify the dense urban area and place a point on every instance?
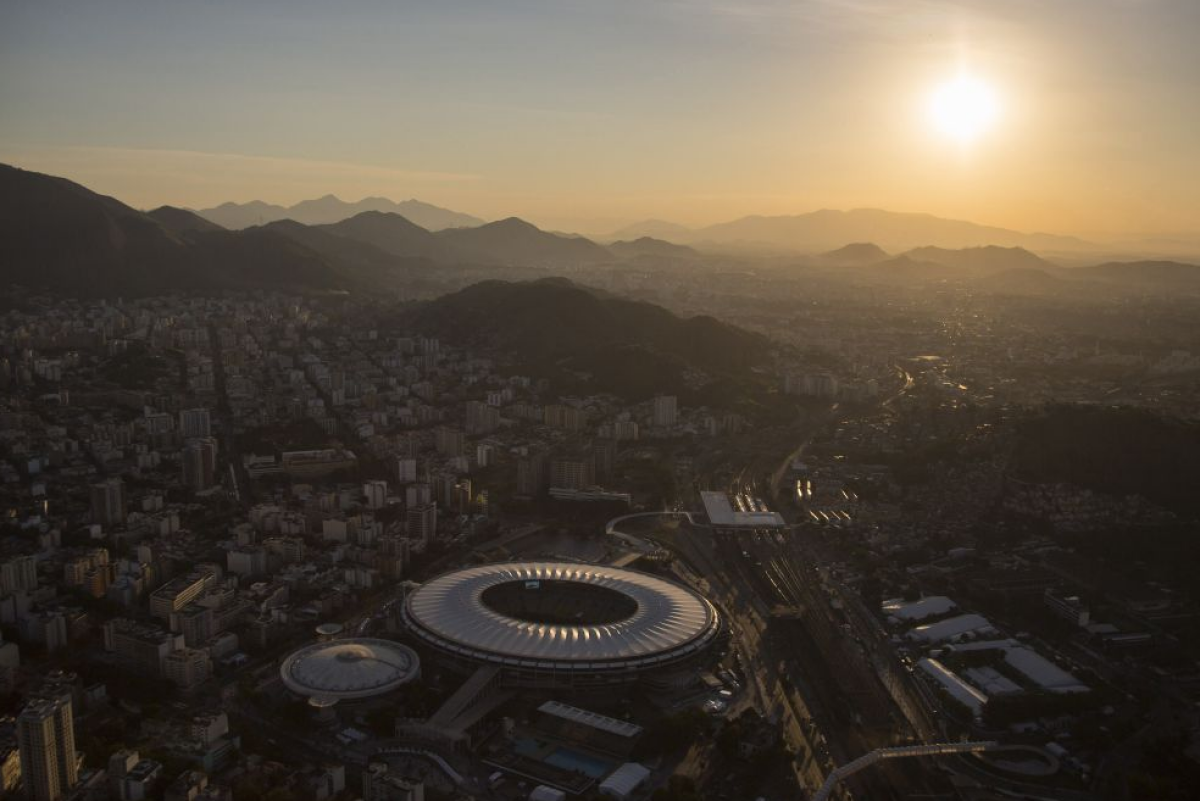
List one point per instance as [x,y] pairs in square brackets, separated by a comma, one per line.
[851,525]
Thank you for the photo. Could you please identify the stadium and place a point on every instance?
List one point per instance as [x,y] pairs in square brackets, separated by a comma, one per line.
[544,624]
[351,669]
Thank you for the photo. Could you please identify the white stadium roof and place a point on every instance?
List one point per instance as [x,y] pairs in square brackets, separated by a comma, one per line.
[359,667]
[665,621]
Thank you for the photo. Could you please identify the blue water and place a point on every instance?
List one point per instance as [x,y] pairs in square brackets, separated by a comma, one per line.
[567,759]
[563,758]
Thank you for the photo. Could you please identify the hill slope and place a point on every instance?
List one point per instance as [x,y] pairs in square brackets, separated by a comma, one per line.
[55,234]
[647,246]
[516,242]
[396,235]
[1118,451]
[181,221]
[981,260]
[627,347]
[856,253]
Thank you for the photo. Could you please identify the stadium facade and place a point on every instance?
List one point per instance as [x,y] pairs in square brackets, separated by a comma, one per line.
[549,624]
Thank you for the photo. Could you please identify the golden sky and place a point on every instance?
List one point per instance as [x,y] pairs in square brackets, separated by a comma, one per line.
[587,116]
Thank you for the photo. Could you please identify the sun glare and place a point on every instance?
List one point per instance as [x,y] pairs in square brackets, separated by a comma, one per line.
[963,108]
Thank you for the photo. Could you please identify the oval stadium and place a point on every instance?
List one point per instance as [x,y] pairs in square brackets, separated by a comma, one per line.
[349,669]
[550,623]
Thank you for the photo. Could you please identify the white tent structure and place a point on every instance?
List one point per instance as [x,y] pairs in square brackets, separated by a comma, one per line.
[624,781]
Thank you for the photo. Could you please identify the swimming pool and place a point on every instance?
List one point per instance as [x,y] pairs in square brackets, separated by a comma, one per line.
[588,765]
[562,757]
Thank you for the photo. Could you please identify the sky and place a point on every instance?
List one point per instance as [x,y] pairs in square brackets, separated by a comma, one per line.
[590,114]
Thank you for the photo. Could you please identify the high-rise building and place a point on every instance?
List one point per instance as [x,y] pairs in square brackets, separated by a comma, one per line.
[449,441]
[625,430]
[571,472]
[18,575]
[187,668]
[565,417]
[10,765]
[179,592]
[141,647]
[46,737]
[200,463]
[422,522]
[666,411]
[417,495]
[195,423]
[195,623]
[376,494]
[406,470]
[604,455]
[531,475]
[483,454]
[482,418]
[443,489]
[108,502]
[462,496]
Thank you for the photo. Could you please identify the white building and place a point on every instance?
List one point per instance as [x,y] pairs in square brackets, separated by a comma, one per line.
[666,411]
[195,423]
[376,494]
[930,606]
[952,628]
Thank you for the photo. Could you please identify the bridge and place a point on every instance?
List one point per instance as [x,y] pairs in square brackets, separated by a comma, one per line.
[611,527]
[433,757]
[867,760]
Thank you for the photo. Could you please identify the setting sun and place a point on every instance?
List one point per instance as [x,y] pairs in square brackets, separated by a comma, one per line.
[964,108]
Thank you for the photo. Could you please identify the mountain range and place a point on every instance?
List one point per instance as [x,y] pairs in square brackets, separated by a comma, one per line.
[59,235]
[821,231]
[330,209]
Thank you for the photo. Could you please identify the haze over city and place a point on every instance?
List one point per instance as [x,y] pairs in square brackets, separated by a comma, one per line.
[695,400]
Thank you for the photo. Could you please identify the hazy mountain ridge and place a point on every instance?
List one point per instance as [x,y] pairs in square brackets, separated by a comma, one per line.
[515,241]
[330,209]
[1145,272]
[856,253]
[983,259]
[638,347]
[649,247]
[827,229]
[180,221]
[397,235]
[59,235]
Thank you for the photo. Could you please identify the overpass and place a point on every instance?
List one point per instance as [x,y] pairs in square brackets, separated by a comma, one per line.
[611,526]
[432,756]
[867,760]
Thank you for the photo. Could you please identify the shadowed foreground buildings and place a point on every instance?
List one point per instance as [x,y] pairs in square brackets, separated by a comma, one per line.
[46,736]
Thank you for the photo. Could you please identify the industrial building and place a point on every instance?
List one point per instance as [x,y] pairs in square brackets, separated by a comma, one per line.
[748,514]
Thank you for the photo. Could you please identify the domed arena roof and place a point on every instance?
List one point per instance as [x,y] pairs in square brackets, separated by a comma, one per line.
[561,616]
[359,667]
